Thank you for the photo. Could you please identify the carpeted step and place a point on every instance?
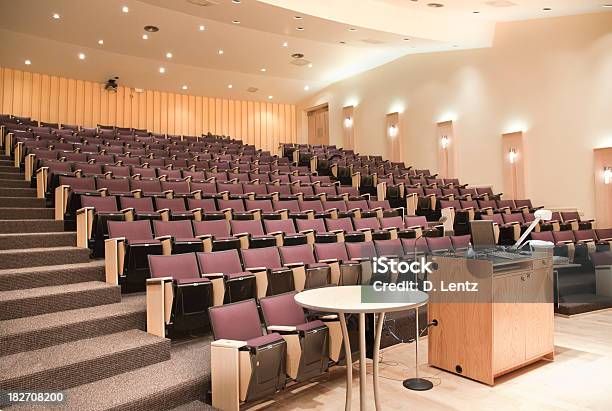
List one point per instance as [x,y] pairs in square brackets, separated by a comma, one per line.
[18,225]
[17,192]
[36,257]
[7,168]
[194,406]
[22,202]
[7,162]
[44,300]
[84,361]
[33,333]
[11,176]
[182,379]
[12,213]
[15,183]
[33,277]
[37,240]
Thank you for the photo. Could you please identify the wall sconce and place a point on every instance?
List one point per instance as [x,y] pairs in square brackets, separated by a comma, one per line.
[607,175]
[512,156]
[444,142]
[348,122]
[393,131]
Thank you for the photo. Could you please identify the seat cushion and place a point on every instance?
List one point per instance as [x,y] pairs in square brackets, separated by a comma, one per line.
[311,325]
[138,242]
[187,240]
[264,340]
[238,275]
[182,281]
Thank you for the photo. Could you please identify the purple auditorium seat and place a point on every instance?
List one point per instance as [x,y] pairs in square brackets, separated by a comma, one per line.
[345,226]
[265,207]
[314,274]
[174,209]
[149,188]
[386,208]
[181,232]
[439,244]
[112,186]
[192,294]
[525,206]
[315,231]
[372,226]
[240,321]
[338,207]
[251,234]
[284,232]
[543,236]
[564,236]
[573,221]
[362,208]
[604,234]
[117,171]
[218,231]
[142,208]
[398,225]
[239,284]
[236,209]
[137,238]
[389,248]
[460,242]
[409,245]
[100,210]
[68,194]
[207,207]
[282,314]
[292,209]
[268,260]
[146,173]
[258,190]
[505,206]
[343,270]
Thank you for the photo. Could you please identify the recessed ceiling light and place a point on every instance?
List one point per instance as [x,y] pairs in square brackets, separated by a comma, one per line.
[343,42]
[125,9]
[285,44]
[236,21]
[229,86]
[455,45]
[145,37]
[352,29]
[263,70]
[151,29]
[435,5]
[406,39]
[306,88]
[300,28]
[298,17]
[162,70]
[81,56]
[220,51]
[270,97]
[184,87]
[168,55]
[27,62]
[546,9]
[202,28]
[56,16]
[236,1]
[476,12]
[607,5]
[100,42]
[310,65]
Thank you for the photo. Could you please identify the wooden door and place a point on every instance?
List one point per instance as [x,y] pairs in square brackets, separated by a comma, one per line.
[539,314]
[318,126]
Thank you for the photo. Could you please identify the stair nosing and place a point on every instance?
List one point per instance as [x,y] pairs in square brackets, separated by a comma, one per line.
[40,292]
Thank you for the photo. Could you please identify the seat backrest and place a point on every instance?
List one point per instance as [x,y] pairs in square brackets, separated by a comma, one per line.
[178,187]
[236,321]
[282,309]
[370,222]
[324,251]
[76,183]
[409,244]
[460,241]
[258,189]
[496,218]
[345,224]
[543,236]
[361,250]
[230,188]
[297,254]
[360,204]
[176,229]
[563,236]
[206,204]
[261,257]
[235,205]
[314,205]
[604,233]
[513,218]
[118,171]
[389,222]
[130,230]
[389,247]
[338,204]
[523,203]
[177,266]
[141,205]
[216,228]
[226,262]
[207,188]
[505,203]
[114,185]
[253,227]
[147,186]
[570,215]
[176,205]
[384,204]
[264,205]
[291,205]
[316,224]
[106,204]
[439,243]
[487,203]
[285,226]
[585,235]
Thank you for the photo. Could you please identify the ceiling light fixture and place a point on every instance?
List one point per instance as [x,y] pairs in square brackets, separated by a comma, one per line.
[406,39]
[236,1]
[27,62]
[270,97]
[343,42]
[184,87]
[310,65]
[300,28]
[546,9]
[100,42]
[81,56]
[162,70]
[220,51]
[476,12]
[607,6]
[236,21]
[435,5]
[125,9]
[306,88]
[151,29]
[298,17]
[56,16]
[352,29]
[263,70]
[285,44]
[230,86]
[202,28]
[168,55]
[145,37]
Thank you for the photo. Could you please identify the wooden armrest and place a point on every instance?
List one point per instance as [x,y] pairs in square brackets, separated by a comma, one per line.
[159,280]
[228,344]
[255,269]
[281,328]
[164,237]
[292,265]
[213,275]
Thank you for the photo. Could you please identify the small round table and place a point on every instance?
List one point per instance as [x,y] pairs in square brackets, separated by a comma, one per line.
[347,300]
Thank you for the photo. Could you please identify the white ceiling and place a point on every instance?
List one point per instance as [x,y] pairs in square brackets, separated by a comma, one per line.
[28,31]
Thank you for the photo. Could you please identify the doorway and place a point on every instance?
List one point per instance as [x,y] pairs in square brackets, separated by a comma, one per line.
[318,125]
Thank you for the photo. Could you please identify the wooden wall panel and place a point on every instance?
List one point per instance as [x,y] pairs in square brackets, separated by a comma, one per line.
[447,155]
[73,101]
[513,172]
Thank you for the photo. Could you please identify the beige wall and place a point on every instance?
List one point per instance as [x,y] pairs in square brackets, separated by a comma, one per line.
[550,78]
[65,100]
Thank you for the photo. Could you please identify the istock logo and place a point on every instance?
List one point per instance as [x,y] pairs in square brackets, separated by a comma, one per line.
[385,265]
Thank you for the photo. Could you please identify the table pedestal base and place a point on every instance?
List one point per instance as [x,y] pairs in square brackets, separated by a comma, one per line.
[418,384]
